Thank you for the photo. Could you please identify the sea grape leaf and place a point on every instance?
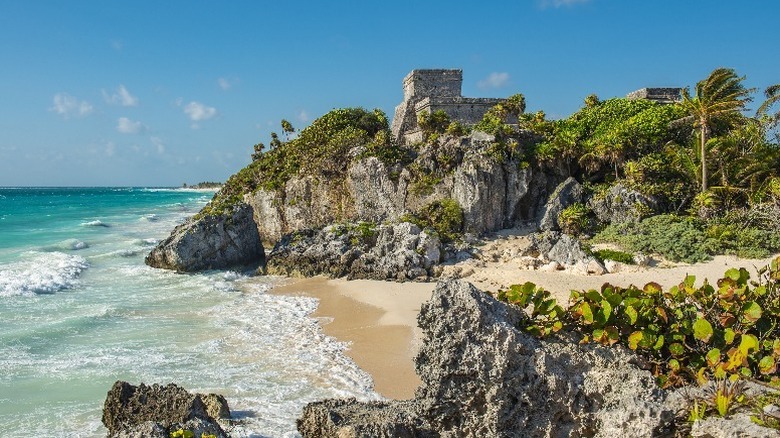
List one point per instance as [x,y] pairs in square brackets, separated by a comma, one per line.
[634,339]
[751,311]
[702,330]
[713,357]
[632,314]
[767,365]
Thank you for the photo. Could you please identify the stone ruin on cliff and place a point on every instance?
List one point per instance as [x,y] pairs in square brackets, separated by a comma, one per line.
[434,90]
[429,90]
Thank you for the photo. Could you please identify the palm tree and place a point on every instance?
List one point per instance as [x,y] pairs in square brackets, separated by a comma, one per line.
[772,94]
[721,96]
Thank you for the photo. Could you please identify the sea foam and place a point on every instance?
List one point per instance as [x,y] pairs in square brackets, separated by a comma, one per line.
[41,273]
[95,223]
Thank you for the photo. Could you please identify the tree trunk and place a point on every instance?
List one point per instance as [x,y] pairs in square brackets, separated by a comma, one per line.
[704,133]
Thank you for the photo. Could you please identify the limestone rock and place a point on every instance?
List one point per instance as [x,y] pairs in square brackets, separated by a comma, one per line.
[737,426]
[387,252]
[350,419]
[483,377]
[152,411]
[566,194]
[211,242]
[564,249]
[621,204]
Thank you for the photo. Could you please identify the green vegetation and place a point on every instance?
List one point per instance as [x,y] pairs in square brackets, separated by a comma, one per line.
[445,217]
[574,219]
[321,149]
[611,254]
[688,333]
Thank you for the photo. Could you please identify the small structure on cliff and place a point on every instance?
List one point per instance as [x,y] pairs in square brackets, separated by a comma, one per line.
[660,95]
[434,90]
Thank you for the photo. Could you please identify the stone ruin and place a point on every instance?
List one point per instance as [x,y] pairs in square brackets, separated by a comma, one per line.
[429,90]
[660,95]
[434,90]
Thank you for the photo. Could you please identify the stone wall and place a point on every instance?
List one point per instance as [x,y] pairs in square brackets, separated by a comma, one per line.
[660,95]
[433,90]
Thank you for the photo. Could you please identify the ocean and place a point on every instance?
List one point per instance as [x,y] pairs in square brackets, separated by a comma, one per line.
[79,310]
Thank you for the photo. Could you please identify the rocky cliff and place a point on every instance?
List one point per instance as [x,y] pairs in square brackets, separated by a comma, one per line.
[484,377]
[490,183]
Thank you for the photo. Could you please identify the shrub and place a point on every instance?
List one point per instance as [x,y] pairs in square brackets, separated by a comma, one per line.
[445,217]
[611,254]
[674,237]
[574,219]
[688,333]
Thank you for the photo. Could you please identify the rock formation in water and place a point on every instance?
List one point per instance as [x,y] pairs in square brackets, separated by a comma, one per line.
[156,411]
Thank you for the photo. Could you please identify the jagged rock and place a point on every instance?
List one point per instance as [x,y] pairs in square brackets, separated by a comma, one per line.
[566,194]
[564,249]
[640,259]
[350,419]
[211,242]
[612,266]
[736,426]
[484,377]
[387,252]
[147,411]
[621,204]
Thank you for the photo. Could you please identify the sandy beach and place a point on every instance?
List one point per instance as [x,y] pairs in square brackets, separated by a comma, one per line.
[379,319]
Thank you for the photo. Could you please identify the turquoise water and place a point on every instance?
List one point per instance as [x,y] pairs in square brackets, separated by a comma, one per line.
[80,310]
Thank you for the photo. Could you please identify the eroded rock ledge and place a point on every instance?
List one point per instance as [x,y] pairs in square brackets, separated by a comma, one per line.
[211,242]
[483,377]
[156,411]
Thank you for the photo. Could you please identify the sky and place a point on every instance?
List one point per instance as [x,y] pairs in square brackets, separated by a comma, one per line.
[161,93]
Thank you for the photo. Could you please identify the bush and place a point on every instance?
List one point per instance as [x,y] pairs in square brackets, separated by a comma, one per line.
[445,217]
[673,237]
[687,333]
[574,219]
[611,254]
[750,233]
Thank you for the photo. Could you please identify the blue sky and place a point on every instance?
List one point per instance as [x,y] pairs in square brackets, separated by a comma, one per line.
[161,93]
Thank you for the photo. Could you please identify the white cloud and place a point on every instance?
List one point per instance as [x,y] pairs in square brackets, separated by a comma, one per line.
[67,106]
[117,45]
[158,143]
[121,97]
[110,149]
[303,116]
[127,126]
[558,3]
[226,83]
[197,111]
[494,80]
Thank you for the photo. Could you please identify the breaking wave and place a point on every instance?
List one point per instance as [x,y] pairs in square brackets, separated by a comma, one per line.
[43,273]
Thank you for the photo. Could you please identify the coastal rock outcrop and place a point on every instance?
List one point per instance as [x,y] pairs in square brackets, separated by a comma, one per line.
[155,411]
[211,241]
[484,377]
[563,249]
[566,194]
[385,252]
[621,204]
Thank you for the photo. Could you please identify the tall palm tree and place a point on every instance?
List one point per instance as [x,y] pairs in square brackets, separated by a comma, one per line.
[772,94]
[721,96]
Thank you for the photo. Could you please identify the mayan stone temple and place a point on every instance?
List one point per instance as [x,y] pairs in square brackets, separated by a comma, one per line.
[434,90]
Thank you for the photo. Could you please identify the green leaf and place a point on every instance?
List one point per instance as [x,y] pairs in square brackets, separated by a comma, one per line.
[748,343]
[604,313]
[634,339]
[674,364]
[632,315]
[728,336]
[593,296]
[767,365]
[713,357]
[702,330]
[733,274]
[659,343]
[587,312]
[689,281]
[751,311]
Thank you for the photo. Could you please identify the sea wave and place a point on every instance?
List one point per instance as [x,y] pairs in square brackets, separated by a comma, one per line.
[150,217]
[42,273]
[95,223]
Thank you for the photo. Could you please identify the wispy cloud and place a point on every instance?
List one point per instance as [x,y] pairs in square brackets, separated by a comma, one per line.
[494,80]
[158,143]
[303,116]
[68,106]
[117,45]
[226,83]
[110,149]
[127,126]
[198,112]
[121,97]
[544,4]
